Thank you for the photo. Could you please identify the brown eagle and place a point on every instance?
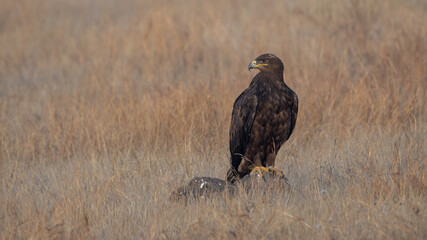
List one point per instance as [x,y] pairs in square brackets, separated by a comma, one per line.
[263,118]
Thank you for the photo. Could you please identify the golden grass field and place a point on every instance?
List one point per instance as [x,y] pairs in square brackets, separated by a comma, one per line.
[108,106]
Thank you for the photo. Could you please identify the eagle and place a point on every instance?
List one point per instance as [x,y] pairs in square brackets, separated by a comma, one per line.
[263,118]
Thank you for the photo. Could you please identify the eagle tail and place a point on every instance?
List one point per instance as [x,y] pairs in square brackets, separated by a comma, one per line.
[232,176]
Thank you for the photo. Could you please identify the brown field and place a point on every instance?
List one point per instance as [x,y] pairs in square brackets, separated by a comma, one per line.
[107,106]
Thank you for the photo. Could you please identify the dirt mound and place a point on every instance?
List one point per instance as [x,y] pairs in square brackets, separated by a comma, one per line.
[203,187]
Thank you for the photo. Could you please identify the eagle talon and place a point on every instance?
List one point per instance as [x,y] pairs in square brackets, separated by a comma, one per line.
[275,172]
[270,170]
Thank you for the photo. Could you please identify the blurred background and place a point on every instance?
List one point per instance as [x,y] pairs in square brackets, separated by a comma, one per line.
[73,73]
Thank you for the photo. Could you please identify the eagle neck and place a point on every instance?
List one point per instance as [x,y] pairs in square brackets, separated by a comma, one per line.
[267,77]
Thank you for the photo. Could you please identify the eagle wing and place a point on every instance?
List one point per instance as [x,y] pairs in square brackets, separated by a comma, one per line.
[242,118]
[294,112]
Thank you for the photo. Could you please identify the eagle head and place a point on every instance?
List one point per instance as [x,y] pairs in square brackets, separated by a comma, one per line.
[267,63]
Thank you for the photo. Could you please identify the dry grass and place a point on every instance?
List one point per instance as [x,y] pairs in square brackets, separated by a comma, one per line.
[107,106]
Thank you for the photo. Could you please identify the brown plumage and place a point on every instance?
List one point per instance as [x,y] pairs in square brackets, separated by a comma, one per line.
[263,118]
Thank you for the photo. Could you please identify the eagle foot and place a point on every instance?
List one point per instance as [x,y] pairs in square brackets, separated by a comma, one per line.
[270,170]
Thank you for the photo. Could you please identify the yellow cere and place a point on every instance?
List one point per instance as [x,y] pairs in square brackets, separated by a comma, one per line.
[258,64]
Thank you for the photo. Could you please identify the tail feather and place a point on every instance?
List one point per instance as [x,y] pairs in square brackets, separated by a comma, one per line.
[232,176]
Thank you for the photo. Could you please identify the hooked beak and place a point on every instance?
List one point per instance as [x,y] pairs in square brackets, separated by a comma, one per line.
[252,65]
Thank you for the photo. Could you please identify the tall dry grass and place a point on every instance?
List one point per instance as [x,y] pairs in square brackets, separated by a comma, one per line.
[107,106]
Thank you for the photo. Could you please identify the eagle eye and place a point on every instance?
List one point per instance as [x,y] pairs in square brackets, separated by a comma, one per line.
[263,60]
